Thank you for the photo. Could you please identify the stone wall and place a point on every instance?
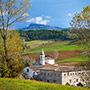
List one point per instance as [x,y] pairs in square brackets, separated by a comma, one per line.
[72,78]
[50,76]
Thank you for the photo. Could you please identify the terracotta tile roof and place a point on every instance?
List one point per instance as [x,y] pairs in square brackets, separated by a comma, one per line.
[59,68]
[65,68]
[56,68]
[46,66]
[36,68]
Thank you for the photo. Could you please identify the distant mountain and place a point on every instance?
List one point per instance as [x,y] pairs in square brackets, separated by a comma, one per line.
[33,26]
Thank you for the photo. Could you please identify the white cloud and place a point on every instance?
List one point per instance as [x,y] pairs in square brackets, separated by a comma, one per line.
[31,20]
[38,20]
[44,22]
[47,17]
[69,14]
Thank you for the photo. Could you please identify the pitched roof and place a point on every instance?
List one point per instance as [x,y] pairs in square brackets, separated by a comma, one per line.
[39,67]
[36,68]
[49,67]
[48,58]
[59,68]
[37,63]
[65,68]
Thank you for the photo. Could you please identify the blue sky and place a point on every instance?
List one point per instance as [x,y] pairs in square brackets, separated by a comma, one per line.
[54,12]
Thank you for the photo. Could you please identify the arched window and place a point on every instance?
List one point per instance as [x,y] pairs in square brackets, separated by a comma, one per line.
[27,70]
[41,57]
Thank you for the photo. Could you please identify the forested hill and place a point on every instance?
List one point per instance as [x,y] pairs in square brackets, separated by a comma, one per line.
[45,35]
[34,26]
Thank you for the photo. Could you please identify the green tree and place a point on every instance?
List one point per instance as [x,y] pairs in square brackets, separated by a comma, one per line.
[13,65]
[81,33]
[81,26]
[55,54]
[29,61]
[11,11]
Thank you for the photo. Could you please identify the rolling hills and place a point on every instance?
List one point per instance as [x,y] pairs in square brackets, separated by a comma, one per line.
[68,52]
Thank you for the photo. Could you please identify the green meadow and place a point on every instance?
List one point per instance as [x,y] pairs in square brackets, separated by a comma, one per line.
[37,43]
[76,59]
[17,84]
[59,47]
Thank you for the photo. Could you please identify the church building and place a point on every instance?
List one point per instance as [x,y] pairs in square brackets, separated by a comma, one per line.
[35,69]
[46,60]
[48,71]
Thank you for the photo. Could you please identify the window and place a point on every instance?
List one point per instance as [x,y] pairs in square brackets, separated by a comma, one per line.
[44,74]
[70,80]
[75,73]
[41,57]
[54,81]
[79,73]
[47,80]
[27,70]
[76,80]
[68,73]
[41,73]
[55,74]
[51,74]
[58,75]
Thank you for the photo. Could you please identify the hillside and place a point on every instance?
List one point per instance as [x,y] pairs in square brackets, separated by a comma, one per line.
[59,46]
[67,51]
[34,26]
[17,84]
[45,35]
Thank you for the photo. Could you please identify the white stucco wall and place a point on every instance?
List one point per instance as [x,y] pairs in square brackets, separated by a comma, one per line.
[42,59]
[73,78]
[28,74]
[52,61]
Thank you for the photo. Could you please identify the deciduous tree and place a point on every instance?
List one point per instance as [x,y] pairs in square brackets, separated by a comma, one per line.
[55,54]
[81,33]
[11,11]
[81,29]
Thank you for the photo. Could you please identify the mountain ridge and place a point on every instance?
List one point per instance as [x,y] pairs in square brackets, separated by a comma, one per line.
[34,26]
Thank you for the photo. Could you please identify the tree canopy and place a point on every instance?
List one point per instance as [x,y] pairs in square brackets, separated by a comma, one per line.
[81,28]
[11,11]
[81,32]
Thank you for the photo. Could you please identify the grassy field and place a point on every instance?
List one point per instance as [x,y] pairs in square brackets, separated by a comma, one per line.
[16,84]
[63,46]
[76,59]
[59,47]
[37,43]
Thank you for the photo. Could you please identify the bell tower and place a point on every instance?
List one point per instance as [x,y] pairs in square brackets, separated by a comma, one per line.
[42,58]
